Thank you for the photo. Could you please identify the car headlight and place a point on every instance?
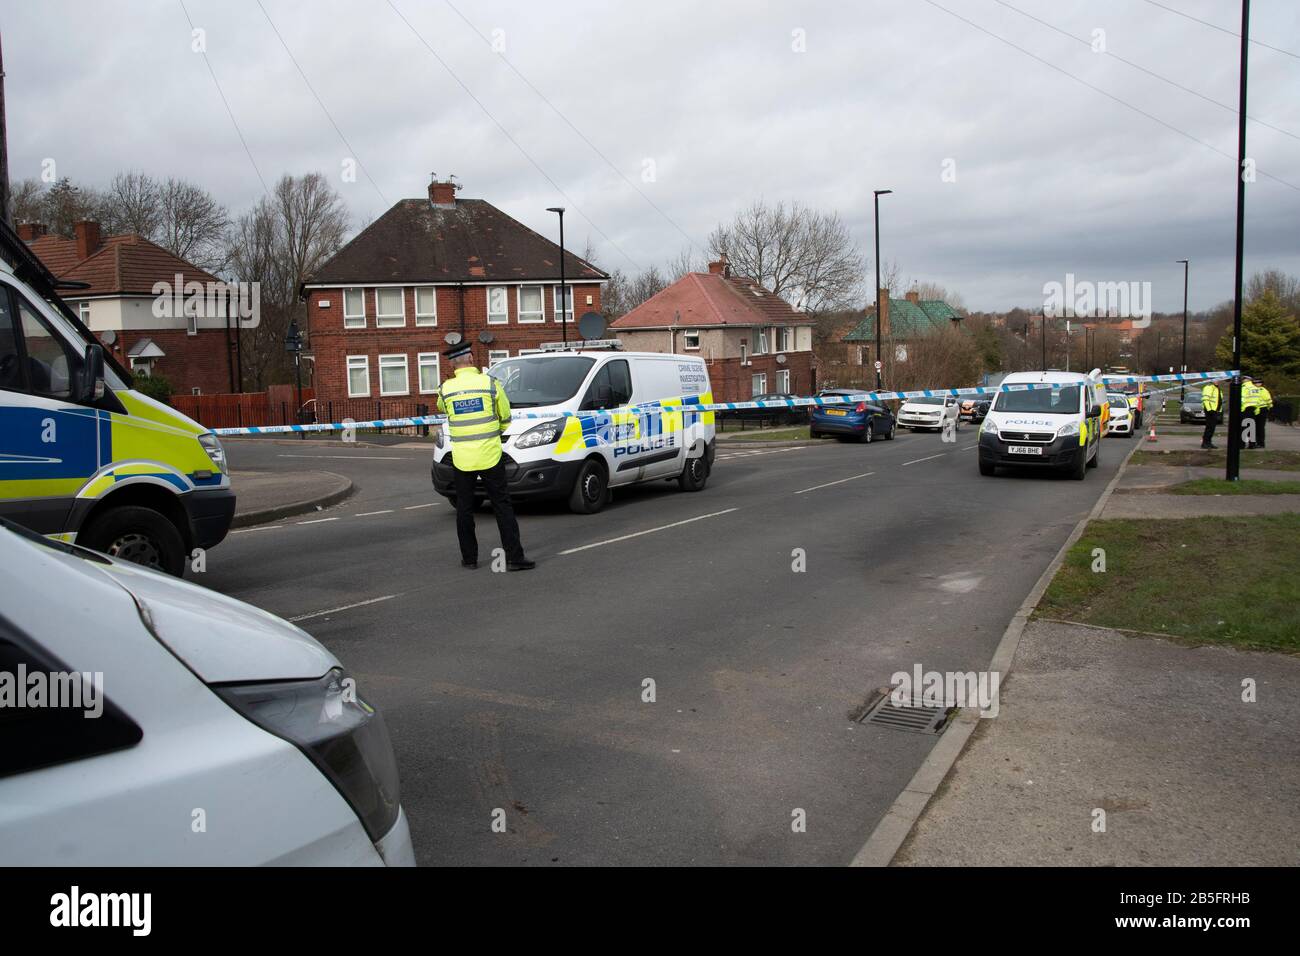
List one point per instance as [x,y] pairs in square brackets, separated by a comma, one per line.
[212,446]
[339,732]
[544,434]
[1069,428]
[988,428]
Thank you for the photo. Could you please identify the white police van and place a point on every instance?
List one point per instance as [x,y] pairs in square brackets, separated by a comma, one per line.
[615,435]
[1059,427]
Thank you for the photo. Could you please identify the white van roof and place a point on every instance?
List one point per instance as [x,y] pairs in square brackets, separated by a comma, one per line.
[1053,378]
[612,353]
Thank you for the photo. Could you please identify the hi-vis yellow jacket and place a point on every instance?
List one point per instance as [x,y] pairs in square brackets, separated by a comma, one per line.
[477,413]
[1210,397]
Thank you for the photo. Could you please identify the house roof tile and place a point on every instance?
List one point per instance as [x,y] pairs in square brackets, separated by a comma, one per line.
[708,299]
[123,265]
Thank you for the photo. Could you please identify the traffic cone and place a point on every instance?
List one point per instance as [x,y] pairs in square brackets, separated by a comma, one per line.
[1151,435]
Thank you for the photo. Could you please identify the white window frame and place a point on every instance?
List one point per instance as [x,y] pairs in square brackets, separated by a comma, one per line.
[497,318]
[758,383]
[386,321]
[83,312]
[422,361]
[192,320]
[760,342]
[425,318]
[497,355]
[362,362]
[744,354]
[687,335]
[555,303]
[519,305]
[783,381]
[787,338]
[406,373]
[352,320]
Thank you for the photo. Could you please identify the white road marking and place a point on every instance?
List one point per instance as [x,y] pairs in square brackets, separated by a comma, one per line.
[637,534]
[969,447]
[345,607]
[317,520]
[867,474]
[264,527]
[916,461]
[426,505]
[361,457]
[367,514]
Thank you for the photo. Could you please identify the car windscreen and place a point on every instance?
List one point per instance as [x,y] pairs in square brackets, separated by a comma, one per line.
[1192,400]
[933,400]
[1051,401]
[542,380]
[1119,403]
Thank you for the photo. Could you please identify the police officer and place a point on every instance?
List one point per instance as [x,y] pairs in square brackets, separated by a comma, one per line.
[1264,401]
[477,413]
[1249,410]
[1211,402]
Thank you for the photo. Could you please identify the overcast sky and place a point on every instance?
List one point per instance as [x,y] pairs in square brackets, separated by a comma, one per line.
[723,103]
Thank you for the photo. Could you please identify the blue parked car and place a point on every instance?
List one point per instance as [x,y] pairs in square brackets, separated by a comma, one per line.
[861,420]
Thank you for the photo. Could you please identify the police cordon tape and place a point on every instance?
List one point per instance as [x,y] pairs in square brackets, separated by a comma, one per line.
[656,408]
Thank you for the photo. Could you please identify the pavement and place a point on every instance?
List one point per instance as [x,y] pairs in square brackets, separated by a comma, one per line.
[1110,749]
[676,682]
[262,496]
[1152,733]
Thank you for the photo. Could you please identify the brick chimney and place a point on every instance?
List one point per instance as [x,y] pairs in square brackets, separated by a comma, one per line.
[88,239]
[31,231]
[913,295]
[442,192]
[884,313]
[721,267]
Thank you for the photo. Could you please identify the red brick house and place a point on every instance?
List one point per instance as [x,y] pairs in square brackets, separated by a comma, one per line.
[382,310]
[755,343]
[122,305]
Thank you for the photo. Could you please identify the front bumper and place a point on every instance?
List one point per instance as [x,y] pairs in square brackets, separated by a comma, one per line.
[911,421]
[1058,453]
[210,513]
[535,480]
[1122,426]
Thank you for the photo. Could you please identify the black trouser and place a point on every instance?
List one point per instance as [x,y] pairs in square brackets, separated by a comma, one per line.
[1261,419]
[1211,423]
[1249,426]
[494,483]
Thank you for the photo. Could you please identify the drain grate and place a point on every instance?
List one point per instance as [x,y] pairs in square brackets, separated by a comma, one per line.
[910,715]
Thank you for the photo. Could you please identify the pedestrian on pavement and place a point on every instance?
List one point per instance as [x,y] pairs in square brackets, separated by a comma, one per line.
[477,413]
[1263,405]
[1212,403]
[1249,411]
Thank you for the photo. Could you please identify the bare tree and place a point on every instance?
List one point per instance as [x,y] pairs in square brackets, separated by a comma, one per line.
[193,225]
[689,259]
[932,291]
[805,256]
[132,204]
[278,243]
[27,200]
[65,204]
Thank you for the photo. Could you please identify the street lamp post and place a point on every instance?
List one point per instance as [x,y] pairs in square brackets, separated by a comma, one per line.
[1044,340]
[293,345]
[879,358]
[1182,392]
[564,292]
[1234,395]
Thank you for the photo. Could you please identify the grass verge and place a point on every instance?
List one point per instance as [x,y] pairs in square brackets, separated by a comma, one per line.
[1247,486]
[1233,581]
[1266,458]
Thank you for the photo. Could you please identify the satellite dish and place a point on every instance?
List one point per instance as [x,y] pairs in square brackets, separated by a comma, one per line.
[108,337]
[591,325]
[780,360]
[485,337]
[452,338]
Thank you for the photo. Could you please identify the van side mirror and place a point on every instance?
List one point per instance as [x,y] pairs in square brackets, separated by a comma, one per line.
[90,384]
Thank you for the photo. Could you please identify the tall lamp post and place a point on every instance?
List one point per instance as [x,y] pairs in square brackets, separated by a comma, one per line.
[1044,340]
[293,345]
[879,357]
[564,294]
[1182,392]
[1234,394]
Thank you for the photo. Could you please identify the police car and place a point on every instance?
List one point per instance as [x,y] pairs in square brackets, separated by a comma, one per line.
[1058,427]
[594,422]
[83,456]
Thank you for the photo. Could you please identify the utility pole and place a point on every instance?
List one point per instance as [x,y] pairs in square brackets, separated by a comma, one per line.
[1044,340]
[1234,395]
[4,148]
[876,196]
[1182,392]
[564,307]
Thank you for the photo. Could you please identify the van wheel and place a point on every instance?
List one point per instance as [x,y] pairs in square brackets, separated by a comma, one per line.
[987,468]
[1096,458]
[695,475]
[1078,471]
[139,535]
[590,490]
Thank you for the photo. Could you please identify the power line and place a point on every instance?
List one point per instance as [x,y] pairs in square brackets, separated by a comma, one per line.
[1215,26]
[1108,95]
[506,133]
[1164,79]
[347,145]
[582,136]
[229,111]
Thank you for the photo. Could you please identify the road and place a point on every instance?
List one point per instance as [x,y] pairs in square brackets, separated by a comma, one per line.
[524,692]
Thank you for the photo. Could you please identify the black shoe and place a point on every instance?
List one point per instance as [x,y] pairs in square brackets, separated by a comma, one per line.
[469,564]
[524,565]
[1206,447]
